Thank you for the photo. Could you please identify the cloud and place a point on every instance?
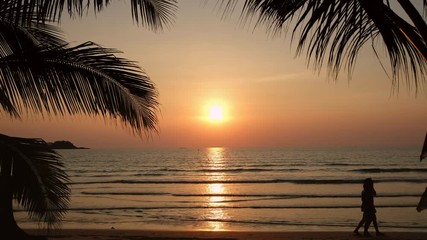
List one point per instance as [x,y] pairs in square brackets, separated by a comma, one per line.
[297,76]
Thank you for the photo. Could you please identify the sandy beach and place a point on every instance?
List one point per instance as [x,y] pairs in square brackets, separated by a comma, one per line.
[86,234]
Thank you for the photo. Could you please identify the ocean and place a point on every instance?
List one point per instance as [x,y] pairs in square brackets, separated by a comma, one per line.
[241,189]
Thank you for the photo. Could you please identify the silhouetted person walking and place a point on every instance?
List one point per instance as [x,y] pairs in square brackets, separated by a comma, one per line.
[362,221]
[368,209]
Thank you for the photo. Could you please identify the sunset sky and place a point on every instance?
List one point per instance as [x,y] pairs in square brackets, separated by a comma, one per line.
[265,96]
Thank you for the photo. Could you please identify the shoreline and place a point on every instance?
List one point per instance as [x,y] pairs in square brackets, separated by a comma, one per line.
[115,234]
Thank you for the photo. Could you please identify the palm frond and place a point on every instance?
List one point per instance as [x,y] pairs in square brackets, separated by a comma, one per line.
[20,38]
[416,18]
[17,35]
[405,46]
[334,31]
[7,105]
[84,79]
[39,179]
[154,14]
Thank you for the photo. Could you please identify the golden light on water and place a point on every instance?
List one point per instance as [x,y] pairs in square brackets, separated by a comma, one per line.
[216,155]
[216,213]
[216,190]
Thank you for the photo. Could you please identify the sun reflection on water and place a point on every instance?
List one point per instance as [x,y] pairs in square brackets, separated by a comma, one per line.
[216,190]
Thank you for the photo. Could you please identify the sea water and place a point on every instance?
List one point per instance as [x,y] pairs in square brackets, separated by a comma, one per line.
[241,189]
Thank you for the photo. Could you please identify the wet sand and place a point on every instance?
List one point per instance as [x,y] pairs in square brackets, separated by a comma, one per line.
[113,234]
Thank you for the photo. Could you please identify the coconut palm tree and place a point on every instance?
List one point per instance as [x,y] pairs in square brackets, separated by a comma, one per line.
[334,31]
[41,73]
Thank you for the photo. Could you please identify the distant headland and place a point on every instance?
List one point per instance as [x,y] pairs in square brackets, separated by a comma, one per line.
[64,145]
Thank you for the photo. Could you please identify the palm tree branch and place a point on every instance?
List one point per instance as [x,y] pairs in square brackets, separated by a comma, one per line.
[84,79]
[7,105]
[154,14]
[39,181]
[19,38]
[334,31]
[417,19]
[405,58]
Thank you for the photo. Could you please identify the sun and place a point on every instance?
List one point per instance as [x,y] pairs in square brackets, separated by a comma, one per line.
[216,113]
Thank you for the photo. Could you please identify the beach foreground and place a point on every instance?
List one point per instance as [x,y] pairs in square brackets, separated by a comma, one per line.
[86,234]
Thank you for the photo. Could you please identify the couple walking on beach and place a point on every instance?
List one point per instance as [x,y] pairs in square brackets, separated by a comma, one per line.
[368,209]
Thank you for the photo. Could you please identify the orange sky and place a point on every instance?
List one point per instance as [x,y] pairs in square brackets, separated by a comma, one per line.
[271,98]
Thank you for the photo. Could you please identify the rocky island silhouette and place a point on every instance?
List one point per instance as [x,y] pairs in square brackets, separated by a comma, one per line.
[62,144]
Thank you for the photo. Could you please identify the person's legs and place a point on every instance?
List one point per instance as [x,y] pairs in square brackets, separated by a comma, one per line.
[368,219]
[356,230]
[374,220]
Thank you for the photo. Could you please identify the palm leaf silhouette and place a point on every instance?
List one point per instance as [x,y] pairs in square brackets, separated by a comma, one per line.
[39,180]
[85,79]
[40,72]
[153,14]
[334,31]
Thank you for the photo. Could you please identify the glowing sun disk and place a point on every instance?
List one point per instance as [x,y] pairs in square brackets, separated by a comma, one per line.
[216,113]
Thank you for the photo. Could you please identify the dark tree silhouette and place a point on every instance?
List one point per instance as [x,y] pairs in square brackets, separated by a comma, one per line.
[41,73]
[334,31]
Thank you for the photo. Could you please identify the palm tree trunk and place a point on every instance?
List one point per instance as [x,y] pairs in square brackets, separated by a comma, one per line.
[416,18]
[8,226]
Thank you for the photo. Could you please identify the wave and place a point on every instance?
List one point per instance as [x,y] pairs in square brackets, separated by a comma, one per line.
[250,181]
[123,175]
[166,171]
[342,164]
[145,208]
[281,196]
[397,195]
[390,170]
[237,169]
[293,223]
[264,168]
[126,193]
